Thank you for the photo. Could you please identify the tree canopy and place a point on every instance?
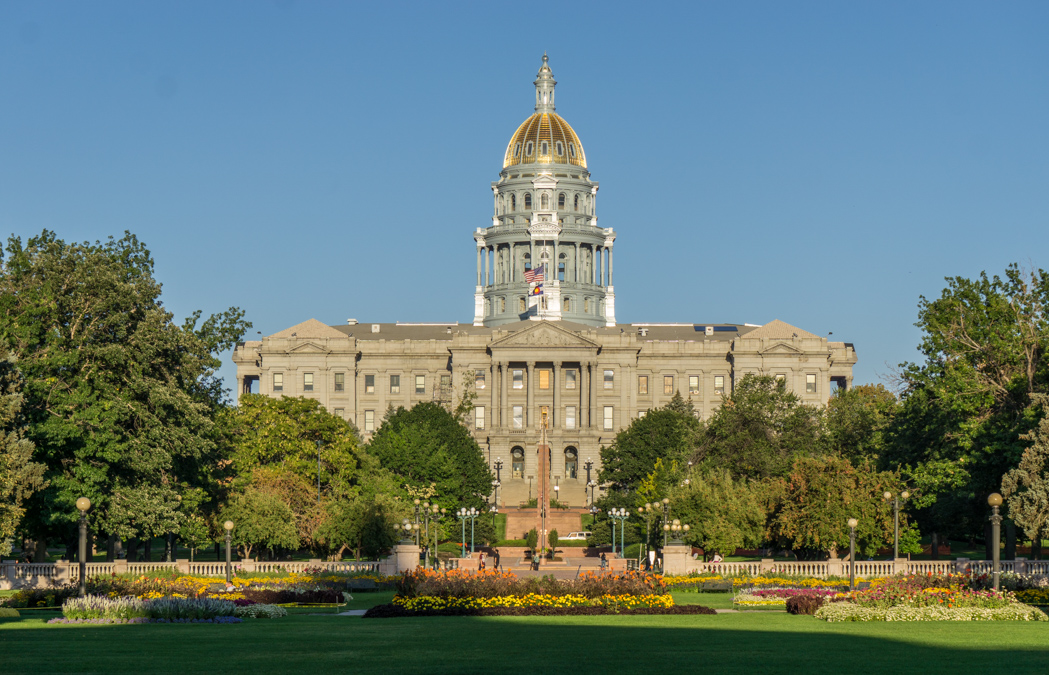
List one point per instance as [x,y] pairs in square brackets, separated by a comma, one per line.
[668,434]
[20,477]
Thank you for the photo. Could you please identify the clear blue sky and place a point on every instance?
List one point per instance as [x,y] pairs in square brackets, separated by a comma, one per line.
[824,163]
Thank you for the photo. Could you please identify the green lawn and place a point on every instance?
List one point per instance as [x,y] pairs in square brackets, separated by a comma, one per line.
[726,643]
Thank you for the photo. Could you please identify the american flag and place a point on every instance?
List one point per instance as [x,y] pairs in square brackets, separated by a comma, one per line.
[535,276]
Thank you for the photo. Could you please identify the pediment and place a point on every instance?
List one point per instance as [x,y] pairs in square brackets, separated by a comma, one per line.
[307,348]
[781,348]
[545,334]
[544,181]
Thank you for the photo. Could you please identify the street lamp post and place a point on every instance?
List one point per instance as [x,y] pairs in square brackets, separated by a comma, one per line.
[621,515]
[646,513]
[83,504]
[416,522]
[464,514]
[228,526]
[896,517]
[665,504]
[590,484]
[995,500]
[852,553]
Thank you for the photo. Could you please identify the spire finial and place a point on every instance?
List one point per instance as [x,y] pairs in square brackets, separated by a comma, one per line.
[544,88]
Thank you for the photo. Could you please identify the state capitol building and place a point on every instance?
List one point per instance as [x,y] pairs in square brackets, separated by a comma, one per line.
[556,354]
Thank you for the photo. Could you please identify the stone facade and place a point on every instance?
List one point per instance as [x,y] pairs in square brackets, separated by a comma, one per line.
[560,355]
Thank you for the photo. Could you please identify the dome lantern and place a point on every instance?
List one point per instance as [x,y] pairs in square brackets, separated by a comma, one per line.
[544,88]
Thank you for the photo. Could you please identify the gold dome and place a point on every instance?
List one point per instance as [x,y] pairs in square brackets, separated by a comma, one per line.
[545,138]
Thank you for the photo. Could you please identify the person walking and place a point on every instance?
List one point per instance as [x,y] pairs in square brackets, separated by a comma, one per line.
[495,556]
[604,562]
[480,561]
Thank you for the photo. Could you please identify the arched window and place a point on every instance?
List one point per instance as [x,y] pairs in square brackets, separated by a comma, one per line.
[502,305]
[545,201]
[575,206]
[560,148]
[517,462]
[528,200]
[528,149]
[571,463]
[567,304]
[527,261]
[561,260]
[561,200]
[586,306]
[517,150]
[513,202]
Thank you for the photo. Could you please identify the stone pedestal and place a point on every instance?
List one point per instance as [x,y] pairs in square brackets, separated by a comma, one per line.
[405,557]
[677,558]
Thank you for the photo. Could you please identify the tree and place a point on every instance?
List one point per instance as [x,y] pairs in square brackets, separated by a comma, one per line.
[532,540]
[426,444]
[20,477]
[668,433]
[117,397]
[858,419]
[262,519]
[967,405]
[812,505]
[723,514]
[1026,488]
[759,430]
[552,538]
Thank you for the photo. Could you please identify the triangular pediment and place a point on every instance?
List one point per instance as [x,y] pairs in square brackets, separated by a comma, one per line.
[307,348]
[545,334]
[781,348]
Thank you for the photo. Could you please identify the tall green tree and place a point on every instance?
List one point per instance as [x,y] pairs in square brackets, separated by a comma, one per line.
[858,421]
[426,444]
[723,513]
[20,476]
[118,397]
[668,434]
[760,430]
[1026,488]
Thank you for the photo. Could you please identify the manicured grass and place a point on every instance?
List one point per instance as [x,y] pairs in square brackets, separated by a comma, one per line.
[726,643]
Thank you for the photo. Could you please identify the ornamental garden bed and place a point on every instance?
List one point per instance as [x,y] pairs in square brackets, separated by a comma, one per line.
[397,611]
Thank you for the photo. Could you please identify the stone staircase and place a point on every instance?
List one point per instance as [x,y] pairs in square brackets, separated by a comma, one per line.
[520,521]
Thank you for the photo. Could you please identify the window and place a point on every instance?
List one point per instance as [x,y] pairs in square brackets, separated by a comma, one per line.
[560,271]
[369,420]
[641,413]
[340,381]
[528,148]
[568,304]
[518,417]
[810,383]
[513,202]
[278,381]
[522,304]
[607,426]
[307,381]
[575,205]
[668,384]
[719,385]
[528,200]
[517,462]
[369,384]
[339,412]
[569,417]
[544,379]
[586,306]
[544,148]
[517,150]
[571,463]
[502,305]
[571,150]
[693,384]
[479,417]
[609,378]
[420,384]
[544,199]
[518,378]
[544,417]
[560,148]
[570,376]
[446,380]
[395,384]
[479,379]
[561,200]
[642,384]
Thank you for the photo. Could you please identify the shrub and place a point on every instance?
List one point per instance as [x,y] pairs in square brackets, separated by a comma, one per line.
[42,597]
[804,604]
[260,612]
[847,611]
[9,613]
[166,609]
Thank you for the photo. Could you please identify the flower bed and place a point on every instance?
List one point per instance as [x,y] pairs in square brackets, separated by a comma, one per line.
[705,583]
[398,611]
[847,611]
[259,611]
[430,603]
[217,619]
[492,584]
[778,597]
[1034,596]
[97,607]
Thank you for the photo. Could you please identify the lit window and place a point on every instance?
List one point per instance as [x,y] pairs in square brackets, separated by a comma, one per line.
[608,418]
[518,377]
[570,376]
[369,420]
[642,384]
[544,417]
[586,305]
[502,305]
[278,381]
[340,381]
[544,379]
[609,379]
[307,381]
[395,384]
[568,304]
[518,417]
[693,384]
[479,417]
[479,379]
[339,412]
[369,384]
[569,417]
[522,304]
[420,384]
[719,385]
[810,383]
[668,384]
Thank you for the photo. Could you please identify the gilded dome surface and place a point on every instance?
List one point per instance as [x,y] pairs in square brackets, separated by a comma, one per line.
[545,138]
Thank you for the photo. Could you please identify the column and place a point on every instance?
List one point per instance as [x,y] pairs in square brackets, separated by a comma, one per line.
[478,264]
[493,411]
[555,411]
[555,263]
[487,267]
[584,398]
[511,275]
[597,254]
[610,266]
[503,386]
[530,423]
[576,276]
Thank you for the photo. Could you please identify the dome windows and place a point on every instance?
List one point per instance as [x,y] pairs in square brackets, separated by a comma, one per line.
[544,148]
[517,150]
[513,202]
[528,199]
[576,205]
[528,149]
[560,148]
[571,150]
[561,200]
